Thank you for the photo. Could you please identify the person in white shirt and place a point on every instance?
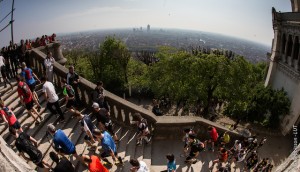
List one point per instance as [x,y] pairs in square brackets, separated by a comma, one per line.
[3,71]
[49,62]
[51,98]
[138,166]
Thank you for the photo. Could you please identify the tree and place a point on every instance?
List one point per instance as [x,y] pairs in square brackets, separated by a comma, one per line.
[110,64]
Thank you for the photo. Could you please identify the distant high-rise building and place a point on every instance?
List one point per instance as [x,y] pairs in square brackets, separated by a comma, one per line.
[148,28]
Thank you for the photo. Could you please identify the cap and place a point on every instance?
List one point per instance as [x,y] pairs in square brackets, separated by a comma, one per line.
[51,128]
[95,105]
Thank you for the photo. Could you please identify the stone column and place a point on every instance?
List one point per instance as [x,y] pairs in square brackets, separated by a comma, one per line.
[57,54]
[293,50]
[286,49]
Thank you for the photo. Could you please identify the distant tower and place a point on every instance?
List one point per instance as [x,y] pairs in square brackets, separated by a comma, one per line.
[284,67]
[148,28]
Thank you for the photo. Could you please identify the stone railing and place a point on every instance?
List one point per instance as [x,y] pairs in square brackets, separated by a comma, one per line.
[122,110]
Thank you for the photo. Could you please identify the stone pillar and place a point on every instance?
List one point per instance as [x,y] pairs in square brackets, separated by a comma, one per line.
[286,49]
[293,50]
[298,65]
[57,54]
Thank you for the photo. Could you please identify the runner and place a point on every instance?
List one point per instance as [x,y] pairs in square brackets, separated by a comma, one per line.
[62,144]
[94,163]
[138,166]
[52,98]
[196,146]
[9,117]
[104,120]
[109,148]
[143,130]
[27,144]
[28,75]
[89,128]
[69,94]
[25,96]
[62,165]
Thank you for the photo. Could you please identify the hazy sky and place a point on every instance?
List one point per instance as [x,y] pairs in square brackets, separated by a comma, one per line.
[249,19]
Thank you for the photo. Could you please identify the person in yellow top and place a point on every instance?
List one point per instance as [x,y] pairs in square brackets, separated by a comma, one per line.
[225,139]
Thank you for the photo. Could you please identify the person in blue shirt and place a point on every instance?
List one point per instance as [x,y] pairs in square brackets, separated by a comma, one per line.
[171,166]
[28,76]
[109,147]
[62,144]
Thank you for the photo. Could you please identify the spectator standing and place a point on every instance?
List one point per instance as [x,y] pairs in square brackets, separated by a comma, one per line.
[29,76]
[22,51]
[97,92]
[48,63]
[94,163]
[14,59]
[73,80]
[62,165]
[4,72]
[52,98]
[26,98]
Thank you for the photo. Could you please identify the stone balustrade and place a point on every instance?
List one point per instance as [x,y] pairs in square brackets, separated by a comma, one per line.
[167,127]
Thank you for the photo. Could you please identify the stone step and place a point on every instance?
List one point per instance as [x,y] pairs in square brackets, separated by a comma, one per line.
[130,150]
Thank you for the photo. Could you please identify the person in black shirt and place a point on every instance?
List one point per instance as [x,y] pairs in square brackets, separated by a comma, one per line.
[89,128]
[27,144]
[62,164]
[195,148]
[103,119]
[98,91]
[73,80]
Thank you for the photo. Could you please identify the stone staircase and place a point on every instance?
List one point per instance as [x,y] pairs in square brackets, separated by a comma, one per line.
[126,147]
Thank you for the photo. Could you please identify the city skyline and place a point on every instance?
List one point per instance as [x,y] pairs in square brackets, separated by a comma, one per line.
[251,20]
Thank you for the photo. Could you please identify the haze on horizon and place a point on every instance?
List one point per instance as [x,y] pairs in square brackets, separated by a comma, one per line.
[250,20]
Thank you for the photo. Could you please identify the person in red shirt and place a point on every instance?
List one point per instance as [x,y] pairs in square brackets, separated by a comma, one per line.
[26,98]
[223,157]
[213,136]
[94,163]
[10,118]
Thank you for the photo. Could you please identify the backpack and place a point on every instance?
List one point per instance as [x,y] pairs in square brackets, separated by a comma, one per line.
[70,90]
[28,74]
[28,147]
[25,89]
[7,111]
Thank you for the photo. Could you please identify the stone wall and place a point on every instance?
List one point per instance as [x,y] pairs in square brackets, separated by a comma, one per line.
[292,163]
